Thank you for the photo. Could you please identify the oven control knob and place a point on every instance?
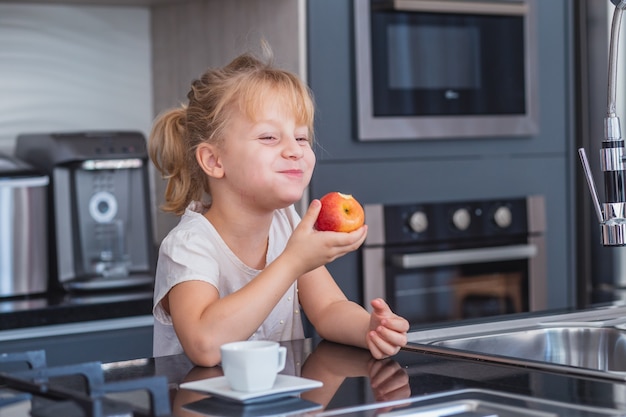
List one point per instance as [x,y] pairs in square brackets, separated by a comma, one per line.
[461,219]
[418,222]
[503,217]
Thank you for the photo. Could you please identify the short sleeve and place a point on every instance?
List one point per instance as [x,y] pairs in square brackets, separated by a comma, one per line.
[184,255]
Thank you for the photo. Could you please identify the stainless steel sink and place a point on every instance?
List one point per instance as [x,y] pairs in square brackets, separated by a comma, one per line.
[598,348]
[591,343]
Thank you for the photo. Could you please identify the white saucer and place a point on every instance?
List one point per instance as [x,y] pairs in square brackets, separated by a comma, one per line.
[284,385]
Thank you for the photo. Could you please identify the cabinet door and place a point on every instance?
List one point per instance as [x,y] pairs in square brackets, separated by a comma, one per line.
[100,346]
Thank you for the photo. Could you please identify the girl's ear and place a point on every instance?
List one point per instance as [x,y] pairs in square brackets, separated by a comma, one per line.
[208,159]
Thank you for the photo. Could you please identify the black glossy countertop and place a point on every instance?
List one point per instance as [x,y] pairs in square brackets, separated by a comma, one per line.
[351,377]
[64,307]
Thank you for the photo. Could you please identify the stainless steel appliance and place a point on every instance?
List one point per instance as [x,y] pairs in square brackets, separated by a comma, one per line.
[448,68]
[23,228]
[100,207]
[443,261]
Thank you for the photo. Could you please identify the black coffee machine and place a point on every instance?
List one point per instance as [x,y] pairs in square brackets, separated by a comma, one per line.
[100,209]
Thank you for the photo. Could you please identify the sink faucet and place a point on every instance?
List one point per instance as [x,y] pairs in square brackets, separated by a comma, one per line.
[612,213]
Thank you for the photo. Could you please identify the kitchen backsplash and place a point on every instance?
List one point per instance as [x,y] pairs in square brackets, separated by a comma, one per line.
[73,68]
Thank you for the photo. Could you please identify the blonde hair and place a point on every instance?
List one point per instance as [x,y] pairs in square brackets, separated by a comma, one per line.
[245,83]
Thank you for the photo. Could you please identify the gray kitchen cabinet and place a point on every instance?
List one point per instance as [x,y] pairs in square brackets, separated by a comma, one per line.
[97,341]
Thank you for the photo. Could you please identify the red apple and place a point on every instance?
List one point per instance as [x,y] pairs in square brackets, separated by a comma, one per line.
[339,213]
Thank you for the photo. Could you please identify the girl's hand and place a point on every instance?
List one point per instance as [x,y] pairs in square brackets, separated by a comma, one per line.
[313,248]
[387,331]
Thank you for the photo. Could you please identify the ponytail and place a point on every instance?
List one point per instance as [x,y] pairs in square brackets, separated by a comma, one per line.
[173,158]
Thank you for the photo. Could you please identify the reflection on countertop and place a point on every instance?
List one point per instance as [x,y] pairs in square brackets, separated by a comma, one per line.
[352,378]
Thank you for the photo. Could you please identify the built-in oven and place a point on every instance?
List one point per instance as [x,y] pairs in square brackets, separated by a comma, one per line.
[445,68]
[443,261]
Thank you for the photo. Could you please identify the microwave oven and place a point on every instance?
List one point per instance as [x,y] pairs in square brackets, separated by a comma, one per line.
[445,68]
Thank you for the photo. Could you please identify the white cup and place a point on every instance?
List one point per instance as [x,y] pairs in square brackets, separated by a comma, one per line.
[252,365]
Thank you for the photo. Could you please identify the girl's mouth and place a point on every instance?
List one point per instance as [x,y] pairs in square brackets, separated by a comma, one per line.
[293,172]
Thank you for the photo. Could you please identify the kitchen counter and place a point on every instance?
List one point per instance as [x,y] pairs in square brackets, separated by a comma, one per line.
[351,378]
[71,327]
[65,308]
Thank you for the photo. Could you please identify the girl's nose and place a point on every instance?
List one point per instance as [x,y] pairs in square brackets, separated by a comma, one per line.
[293,149]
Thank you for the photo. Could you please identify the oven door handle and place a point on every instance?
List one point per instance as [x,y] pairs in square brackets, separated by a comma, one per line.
[457,7]
[464,256]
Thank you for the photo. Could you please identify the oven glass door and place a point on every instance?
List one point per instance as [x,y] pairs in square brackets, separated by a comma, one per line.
[428,64]
[450,288]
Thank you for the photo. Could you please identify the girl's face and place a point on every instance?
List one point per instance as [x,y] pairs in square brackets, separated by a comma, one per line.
[267,162]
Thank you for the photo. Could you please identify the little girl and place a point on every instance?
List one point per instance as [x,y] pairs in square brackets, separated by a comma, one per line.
[241,263]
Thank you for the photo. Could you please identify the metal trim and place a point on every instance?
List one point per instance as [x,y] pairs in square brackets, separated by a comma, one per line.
[464,256]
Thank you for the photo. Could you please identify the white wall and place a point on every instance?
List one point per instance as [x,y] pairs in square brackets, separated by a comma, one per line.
[73,68]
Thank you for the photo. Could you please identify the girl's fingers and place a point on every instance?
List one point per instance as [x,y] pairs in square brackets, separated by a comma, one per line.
[391,337]
[383,347]
[373,341]
[311,214]
[380,306]
[396,323]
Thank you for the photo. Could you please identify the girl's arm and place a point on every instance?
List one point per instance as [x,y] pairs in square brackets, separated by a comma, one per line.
[337,319]
[334,317]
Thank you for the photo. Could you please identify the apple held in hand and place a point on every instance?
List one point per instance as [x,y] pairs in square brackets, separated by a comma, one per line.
[339,213]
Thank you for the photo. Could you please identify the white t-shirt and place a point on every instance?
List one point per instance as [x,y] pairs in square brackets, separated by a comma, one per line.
[194,250]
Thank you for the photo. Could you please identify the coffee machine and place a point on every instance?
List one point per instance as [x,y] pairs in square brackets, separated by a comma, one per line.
[100,213]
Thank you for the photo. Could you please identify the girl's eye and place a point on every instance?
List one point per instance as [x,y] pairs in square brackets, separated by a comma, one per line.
[302,139]
[268,138]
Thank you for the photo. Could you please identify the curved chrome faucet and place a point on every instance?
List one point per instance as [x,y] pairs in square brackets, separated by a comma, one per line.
[612,213]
